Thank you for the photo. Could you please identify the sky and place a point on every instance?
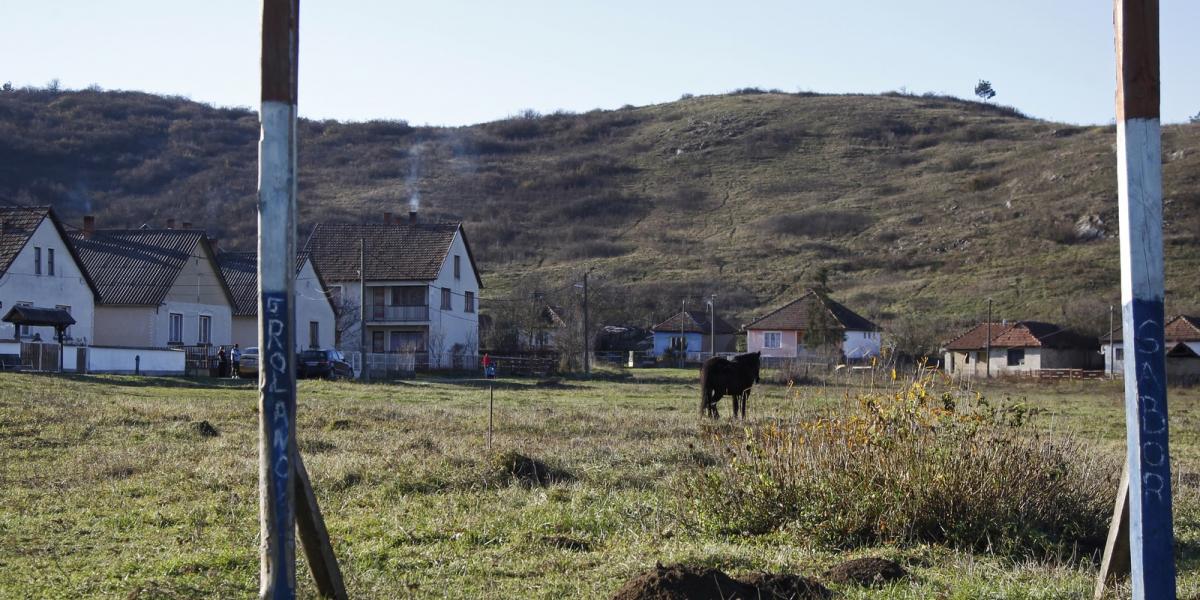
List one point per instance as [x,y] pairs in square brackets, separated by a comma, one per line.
[458,62]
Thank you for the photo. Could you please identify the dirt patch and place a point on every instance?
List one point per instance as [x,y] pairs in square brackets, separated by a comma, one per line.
[339,425]
[783,586]
[530,471]
[681,582]
[204,429]
[866,571]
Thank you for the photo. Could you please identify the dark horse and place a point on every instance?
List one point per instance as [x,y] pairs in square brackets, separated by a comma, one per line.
[720,376]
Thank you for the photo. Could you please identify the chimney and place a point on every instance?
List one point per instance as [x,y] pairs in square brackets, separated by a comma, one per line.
[89,225]
[387,218]
[187,224]
[412,217]
[170,223]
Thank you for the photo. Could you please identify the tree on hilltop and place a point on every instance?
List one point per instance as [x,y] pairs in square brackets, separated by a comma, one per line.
[984,90]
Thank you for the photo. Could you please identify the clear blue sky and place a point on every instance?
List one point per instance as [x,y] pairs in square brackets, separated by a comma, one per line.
[458,62]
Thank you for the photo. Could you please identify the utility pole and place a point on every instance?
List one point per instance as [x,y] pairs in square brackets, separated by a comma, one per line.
[988,356]
[587,367]
[1139,192]
[682,337]
[712,325]
[276,310]
[362,309]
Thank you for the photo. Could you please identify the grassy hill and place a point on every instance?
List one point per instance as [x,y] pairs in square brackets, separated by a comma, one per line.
[913,203]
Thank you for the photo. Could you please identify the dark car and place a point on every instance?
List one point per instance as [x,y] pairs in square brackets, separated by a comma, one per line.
[325,364]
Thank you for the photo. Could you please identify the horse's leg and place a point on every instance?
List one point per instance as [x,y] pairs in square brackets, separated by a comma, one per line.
[745,398]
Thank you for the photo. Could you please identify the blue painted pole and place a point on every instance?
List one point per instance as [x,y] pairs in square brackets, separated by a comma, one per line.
[1139,181]
[276,312]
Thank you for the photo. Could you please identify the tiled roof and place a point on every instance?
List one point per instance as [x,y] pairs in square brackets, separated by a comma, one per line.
[794,315]
[1183,328]
[693,321]
[17,225]
[394,252]
[1021,334]
[976,337]
[137,267]
[240,270]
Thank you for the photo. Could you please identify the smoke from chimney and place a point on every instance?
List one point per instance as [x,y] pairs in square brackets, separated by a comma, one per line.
[414,176]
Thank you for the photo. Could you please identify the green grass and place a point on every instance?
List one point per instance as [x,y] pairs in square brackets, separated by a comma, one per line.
[107,489]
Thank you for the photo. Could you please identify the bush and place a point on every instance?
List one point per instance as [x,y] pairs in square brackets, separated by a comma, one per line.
[911,466]
[819,223]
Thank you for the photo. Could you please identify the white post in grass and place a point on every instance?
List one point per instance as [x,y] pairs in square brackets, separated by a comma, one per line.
[276,312]
[1139,186]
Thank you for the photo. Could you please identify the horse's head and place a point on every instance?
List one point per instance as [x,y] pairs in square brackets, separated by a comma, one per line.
[749,363]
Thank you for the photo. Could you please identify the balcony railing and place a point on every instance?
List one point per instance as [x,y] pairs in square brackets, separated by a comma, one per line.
[397,314]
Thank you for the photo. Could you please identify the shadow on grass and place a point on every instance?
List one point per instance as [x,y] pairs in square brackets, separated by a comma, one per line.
[166,382]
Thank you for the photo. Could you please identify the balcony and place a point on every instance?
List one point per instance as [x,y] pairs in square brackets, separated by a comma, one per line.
[381,313]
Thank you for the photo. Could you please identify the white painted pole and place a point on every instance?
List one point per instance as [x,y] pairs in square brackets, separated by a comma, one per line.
[1139,187]
[276,275]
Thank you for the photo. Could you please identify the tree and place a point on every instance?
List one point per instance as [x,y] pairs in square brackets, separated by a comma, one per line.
[1194,118]
[984,90]
[824,335]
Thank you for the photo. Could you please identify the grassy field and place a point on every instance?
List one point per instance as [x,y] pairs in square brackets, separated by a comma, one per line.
[118,487]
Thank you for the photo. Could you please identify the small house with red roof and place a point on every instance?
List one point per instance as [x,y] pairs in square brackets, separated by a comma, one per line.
[1019,348]
[781,333]
[1181,335]
[691,332]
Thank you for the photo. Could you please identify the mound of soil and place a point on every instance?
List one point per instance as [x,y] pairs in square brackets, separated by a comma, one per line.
[782,586]
[204,429]
[530,471]
[866,571]
[681,582]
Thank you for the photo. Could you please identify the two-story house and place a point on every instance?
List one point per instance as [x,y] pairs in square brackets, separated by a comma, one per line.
[157,287]
[413,287]
[38,267]
[315,318]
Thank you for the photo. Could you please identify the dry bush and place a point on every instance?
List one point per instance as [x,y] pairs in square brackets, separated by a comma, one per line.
[913,465]
[827,223]
[982,183]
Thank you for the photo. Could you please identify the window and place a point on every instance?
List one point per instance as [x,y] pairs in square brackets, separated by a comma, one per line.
[37,260]
[50,261]
[773,339]
[469,302]
[204,336]
[406,341]
[377,342]
[457,267]
[314,334]
[446,299]
[176,329]
[1016,357]
[966,358]
[678,344]
[1119,353]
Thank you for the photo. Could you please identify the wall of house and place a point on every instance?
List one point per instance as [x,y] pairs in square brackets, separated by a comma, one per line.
[1114,362]
[312,304]
[146,361]
[127,326]
[789,347]
[859,345]
[66,287]
[244,331]
[662,342]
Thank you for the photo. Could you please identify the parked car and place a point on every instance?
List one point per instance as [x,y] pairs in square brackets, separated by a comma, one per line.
[325,364]
[248,364]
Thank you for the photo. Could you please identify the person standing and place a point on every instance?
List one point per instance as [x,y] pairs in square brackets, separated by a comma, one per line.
[235,359]
[222,362]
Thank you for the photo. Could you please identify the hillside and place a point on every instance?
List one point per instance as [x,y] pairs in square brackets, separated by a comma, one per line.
[911,202]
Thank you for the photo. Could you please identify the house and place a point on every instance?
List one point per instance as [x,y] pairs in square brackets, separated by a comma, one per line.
[39,267]
[420,288]
[1019,348]
[156,287]
[781,333]
[691,332]
[315,316]
[1181,335]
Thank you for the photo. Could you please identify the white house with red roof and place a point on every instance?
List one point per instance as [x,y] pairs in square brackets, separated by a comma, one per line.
[781,332]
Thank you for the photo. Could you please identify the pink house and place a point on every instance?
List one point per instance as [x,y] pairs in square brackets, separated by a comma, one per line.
[780,334]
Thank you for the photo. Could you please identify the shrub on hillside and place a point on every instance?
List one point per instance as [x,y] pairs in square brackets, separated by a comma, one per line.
[827,223]
[911,465]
